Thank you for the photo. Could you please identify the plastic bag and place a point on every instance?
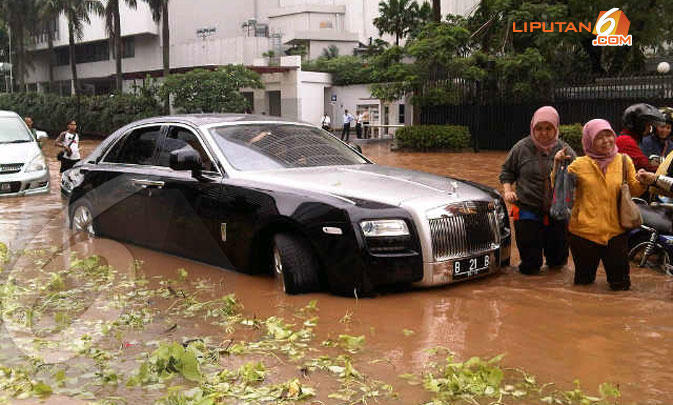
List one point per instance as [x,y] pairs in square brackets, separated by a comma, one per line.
[564,194]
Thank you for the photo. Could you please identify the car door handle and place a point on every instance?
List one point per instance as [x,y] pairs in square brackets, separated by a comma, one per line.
[144,183]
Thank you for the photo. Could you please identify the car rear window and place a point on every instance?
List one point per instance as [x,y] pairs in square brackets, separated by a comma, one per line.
[13,130]
[274,146]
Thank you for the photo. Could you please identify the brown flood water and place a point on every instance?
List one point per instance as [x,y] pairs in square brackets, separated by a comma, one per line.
[543,324]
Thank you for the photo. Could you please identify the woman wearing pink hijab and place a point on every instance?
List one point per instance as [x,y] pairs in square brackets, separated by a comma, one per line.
[527,166]
[594,231]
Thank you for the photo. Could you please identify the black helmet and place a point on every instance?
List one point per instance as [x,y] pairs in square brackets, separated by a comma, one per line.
[637,116]
[667,112]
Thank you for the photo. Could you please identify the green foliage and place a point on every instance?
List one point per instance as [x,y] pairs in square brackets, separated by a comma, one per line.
[481,381]
[572,135]
[345,70]
[330,52]
[168,360]
[352,344]
[427,138]
[297,49]
[4,255]
[401,17]
[96,115]
[525,75]
[207,91]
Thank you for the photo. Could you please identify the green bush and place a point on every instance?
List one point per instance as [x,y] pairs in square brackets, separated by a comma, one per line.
[572,135]
[95,115]
[207,91]
[433,137]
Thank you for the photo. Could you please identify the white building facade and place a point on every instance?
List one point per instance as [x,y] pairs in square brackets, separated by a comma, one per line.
[206,33]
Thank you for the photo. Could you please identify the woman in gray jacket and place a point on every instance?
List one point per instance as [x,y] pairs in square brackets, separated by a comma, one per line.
[527,167]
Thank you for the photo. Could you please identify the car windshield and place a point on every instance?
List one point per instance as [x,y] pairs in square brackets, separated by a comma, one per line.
[13,130]
[274,146]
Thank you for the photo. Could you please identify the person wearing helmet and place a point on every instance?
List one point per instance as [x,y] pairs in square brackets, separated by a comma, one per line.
[658,144]
[637,122]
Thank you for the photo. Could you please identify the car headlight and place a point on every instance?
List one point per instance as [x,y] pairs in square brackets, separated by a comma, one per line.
[384,227]
[36,164]
[72,178]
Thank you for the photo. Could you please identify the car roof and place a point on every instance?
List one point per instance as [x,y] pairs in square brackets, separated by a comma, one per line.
[8,114]
[207,119]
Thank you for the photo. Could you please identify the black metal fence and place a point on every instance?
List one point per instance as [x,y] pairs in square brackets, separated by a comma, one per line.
[497,123]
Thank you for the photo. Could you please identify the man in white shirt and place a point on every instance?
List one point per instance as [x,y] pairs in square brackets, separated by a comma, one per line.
[345,133]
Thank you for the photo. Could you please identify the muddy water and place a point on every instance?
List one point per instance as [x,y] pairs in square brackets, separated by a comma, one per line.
[544,324]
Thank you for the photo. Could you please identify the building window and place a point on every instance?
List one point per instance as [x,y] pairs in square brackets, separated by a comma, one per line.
[400,118]
[128,47]
[84,53]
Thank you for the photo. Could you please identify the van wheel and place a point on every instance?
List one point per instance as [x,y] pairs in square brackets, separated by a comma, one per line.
[294,265]
[82,218]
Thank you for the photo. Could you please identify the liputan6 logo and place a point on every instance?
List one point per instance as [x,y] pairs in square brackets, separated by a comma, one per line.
[612,29]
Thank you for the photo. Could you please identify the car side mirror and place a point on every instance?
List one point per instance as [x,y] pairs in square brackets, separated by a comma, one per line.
[186,158]
[355,147]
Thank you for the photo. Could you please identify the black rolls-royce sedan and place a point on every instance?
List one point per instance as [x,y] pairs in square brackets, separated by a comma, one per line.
[258,194]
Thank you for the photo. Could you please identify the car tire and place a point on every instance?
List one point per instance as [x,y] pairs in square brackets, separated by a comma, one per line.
[82,217]
[294,265]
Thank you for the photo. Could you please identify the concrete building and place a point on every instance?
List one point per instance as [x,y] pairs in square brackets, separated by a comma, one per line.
[206,33]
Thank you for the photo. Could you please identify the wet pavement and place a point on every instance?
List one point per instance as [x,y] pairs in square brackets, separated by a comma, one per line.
[543,324]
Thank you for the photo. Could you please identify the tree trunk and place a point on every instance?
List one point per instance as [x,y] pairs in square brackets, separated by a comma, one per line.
[50,46]
[117,41]
[165,39]
[437,10]
[20,58]
[73,65]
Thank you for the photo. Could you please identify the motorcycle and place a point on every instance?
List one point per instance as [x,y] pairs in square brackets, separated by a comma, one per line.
[651,245]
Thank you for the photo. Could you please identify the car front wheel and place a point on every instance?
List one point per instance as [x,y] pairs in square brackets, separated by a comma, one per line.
[294,265]
[82,218]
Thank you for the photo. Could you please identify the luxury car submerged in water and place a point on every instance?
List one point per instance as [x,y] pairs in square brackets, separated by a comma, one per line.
[258,194]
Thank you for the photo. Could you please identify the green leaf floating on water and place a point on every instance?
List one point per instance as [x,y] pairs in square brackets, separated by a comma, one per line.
[165,362]
[352,344]
[4,255]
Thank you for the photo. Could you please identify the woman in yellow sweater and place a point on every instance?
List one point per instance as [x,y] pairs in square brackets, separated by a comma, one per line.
[595,232]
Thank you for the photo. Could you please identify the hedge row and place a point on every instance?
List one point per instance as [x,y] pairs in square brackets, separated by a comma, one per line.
[572,135]
[426,138]
[95,115]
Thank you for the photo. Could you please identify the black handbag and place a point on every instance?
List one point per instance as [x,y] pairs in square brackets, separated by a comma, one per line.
[61,154]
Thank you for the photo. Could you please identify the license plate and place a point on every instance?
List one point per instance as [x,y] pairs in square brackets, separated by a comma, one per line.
[5,187]
[471,267]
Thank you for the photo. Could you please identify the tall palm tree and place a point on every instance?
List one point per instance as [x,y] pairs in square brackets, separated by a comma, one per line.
[48,12]
[78,13]
[160,13]
[113,27]
[17,14]
[396,17]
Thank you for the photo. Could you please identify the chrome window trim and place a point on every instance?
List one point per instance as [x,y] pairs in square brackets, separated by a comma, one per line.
[153,167]
[168,124]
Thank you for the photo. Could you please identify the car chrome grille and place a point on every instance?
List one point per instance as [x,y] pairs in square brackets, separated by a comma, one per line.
[9,168]
[467,229]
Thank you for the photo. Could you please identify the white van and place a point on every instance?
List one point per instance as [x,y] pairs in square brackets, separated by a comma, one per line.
[23,169]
